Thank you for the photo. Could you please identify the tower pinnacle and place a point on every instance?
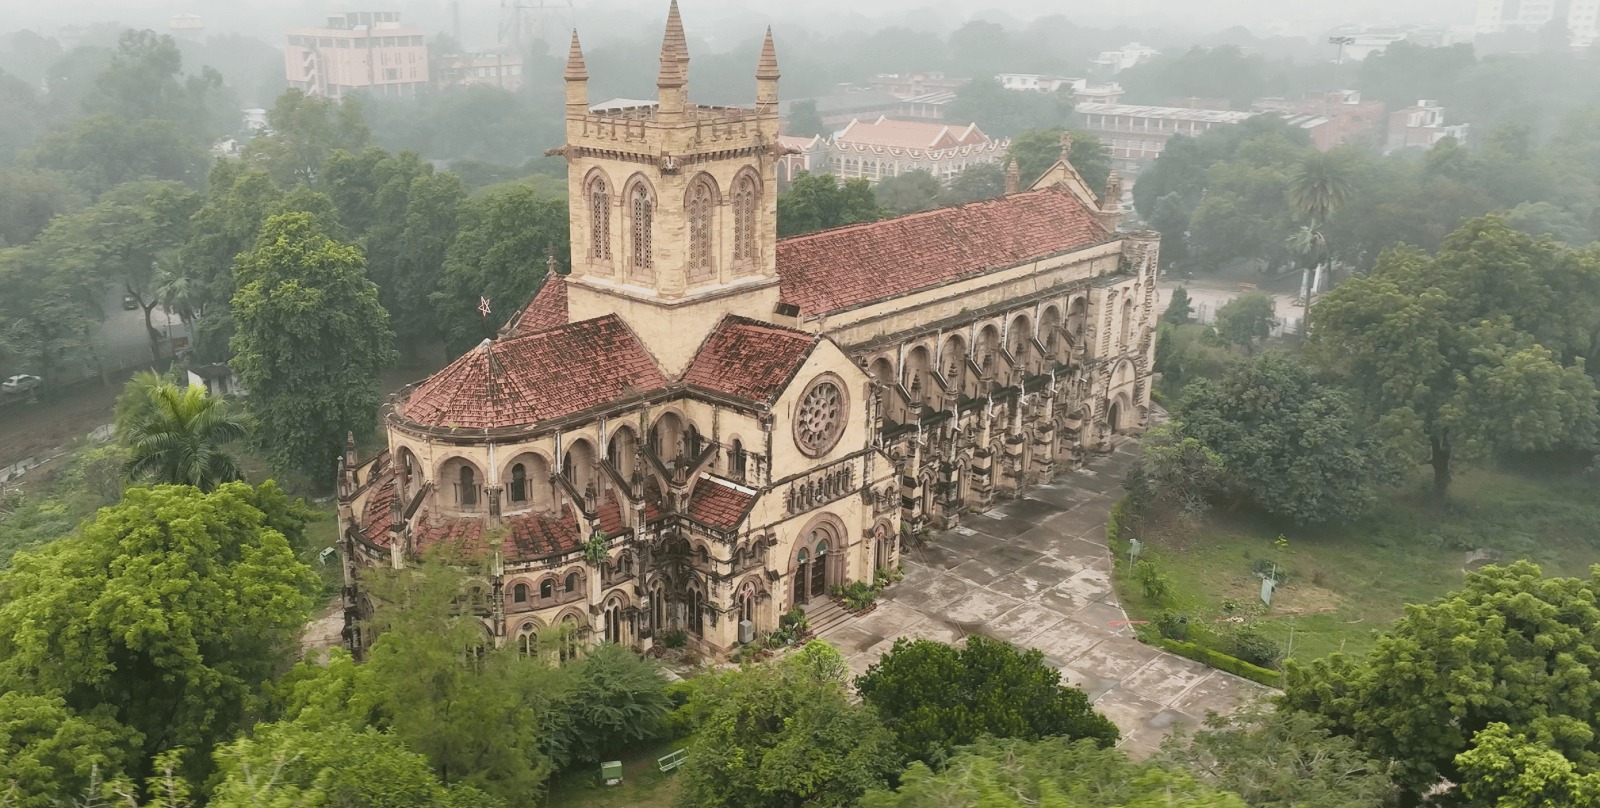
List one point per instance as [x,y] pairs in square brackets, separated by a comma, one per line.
[576,70]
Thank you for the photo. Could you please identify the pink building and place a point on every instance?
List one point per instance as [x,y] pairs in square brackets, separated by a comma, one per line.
[885,148]
[357,50]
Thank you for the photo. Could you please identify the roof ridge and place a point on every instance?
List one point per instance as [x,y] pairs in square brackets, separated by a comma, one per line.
[926,213]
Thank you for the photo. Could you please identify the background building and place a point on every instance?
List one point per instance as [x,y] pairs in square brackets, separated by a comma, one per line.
[1136,135]
[885,148]
[357,50]
[491,69]
[1421,126]
[1333,118]
[1581,17]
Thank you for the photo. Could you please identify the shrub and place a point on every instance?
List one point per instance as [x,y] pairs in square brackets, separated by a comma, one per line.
[860,596]
[1172,625]
[1152,582]
[675,639]
[1223,662]
[1249,644]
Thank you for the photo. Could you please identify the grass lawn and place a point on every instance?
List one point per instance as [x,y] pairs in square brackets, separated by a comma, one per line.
[643,785]
[1348,582]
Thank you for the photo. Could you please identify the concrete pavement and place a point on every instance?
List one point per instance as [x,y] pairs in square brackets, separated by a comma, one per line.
[1035,572]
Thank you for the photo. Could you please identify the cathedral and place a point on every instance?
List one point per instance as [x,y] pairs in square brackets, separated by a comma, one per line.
[703,426]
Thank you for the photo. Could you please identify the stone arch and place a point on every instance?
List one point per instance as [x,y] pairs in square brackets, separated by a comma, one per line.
[521,593]
[1078,319]
[527,636]
[919,361]
[746,196]
[623,451]
[953,361]
[700,202]
[667,436]
[597,190]
[618,629]
[694,603]
[988,350]
[527,483]
[572,583]
[548,589]
[1019,336]
[639,200]
[464,480]
[1050,330]
[883,545]
[577,465]
[1117,413]
[737,462]
[572,625]
[407,470]
[882,370]
[816,558]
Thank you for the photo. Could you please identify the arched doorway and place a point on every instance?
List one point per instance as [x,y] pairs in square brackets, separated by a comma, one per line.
[1114,415]
[816,566]
[802,576]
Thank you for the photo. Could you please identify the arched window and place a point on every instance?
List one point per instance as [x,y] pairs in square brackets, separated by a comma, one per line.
[643,222]
[519,483]
[693,443]
[547,589]
[695,602]
[744,219]
[737,460]
[571,584]
[599,220]
[802,576]
[703,557]
[1127,324]
[699,207]
[529,640]
[569,638]
[519,593]
[747,602]
[467,488]
[819,570]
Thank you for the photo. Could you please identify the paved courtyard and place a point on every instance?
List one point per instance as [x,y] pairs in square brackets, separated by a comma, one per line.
[1035,572]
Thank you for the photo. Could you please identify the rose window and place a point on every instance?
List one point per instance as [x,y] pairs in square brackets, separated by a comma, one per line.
[819,420]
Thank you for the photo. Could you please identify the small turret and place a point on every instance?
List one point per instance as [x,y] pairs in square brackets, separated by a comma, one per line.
[767,76]
[672,97]
[1013,176]
[577,78]
[679,42]
[1066,145]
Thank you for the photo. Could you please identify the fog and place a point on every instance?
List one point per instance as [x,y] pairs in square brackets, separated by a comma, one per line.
[717,21]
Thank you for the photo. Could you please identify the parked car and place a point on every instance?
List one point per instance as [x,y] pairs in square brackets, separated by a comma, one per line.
[129,302]
[21,383]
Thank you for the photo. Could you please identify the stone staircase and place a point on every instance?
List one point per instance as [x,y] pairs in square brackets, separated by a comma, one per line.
[825,614]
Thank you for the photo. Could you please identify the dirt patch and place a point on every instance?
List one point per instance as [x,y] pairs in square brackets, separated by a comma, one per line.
[30,429]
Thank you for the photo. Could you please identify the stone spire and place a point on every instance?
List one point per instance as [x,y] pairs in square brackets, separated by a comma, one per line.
[767,76]
[1013,176]
[675,37]
[576,70]
[672,61]
[767,70]
[1113,196]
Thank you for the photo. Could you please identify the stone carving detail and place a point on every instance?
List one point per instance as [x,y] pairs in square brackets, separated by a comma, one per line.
[819,420]
[821,488]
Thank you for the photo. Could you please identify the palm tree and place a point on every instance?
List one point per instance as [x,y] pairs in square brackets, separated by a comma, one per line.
[176,435]
[1319,185]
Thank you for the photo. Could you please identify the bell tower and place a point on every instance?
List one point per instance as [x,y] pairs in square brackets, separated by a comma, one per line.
[673,204]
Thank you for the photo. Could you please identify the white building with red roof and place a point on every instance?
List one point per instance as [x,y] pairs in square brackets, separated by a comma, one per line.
[702,427]
[884,148]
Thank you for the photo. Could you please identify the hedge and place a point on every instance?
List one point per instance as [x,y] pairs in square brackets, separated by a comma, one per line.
[1221,661]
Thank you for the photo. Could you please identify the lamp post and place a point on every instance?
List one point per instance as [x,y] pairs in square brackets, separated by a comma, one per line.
[1341,41]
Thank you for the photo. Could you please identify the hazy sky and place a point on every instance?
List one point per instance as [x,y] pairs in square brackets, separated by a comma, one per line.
[598,18]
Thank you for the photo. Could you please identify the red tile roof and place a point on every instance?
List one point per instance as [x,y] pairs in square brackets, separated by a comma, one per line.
[717,504]
[378,511]
[525,380]
[547,309]
[609,516]
[528,537]
[749,359]
[848,266]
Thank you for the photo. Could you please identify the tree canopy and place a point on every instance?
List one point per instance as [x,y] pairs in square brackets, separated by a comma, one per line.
[819,201]
[310,344]
[935,697]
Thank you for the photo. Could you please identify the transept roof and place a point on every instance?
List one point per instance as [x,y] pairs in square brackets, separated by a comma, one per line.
[749,359]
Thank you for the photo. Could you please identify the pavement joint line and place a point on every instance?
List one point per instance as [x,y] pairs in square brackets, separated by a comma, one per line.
[1210,672]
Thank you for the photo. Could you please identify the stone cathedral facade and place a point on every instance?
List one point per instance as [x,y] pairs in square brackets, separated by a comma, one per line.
[703,426]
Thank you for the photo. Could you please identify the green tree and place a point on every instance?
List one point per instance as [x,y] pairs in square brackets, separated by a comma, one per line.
[1221,72]
[502,250]
[310,344]
[1290,444]
[50,755]
[1475,350]
[976,182]
[336,765]
[165,613]
[145,80]
[177,436]
[804,121]
[1246,320]
[1279,759]
[935,697]
[28,201]
[479,714]
[306,130]
[1003,113]
[1048,773]
[819,201]
[1036,150]
[48,315]
[784,735]
[910,192]
[1179,309]
[615,702]
[1175,470]
[103,151]
[1506,769]
[1510,646]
